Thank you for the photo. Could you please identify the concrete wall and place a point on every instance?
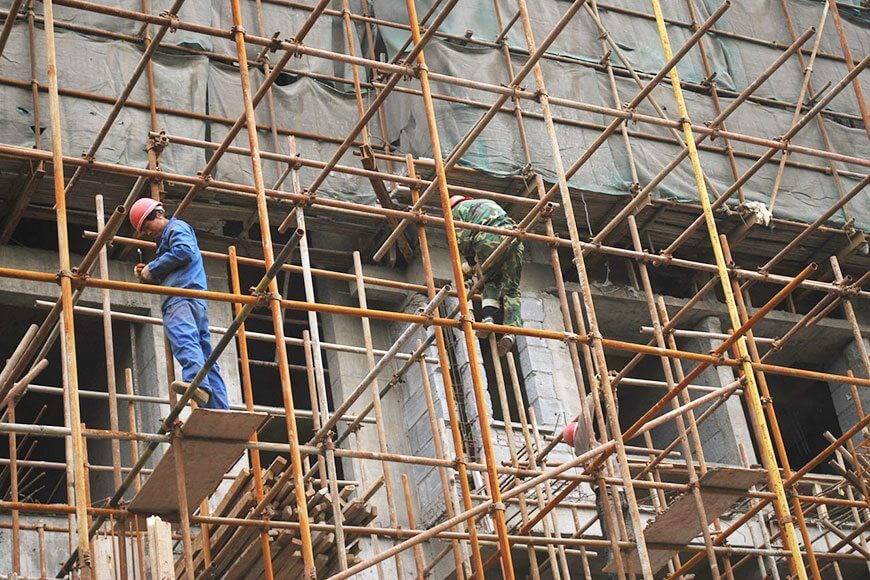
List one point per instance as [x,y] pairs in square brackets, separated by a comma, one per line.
[57,546]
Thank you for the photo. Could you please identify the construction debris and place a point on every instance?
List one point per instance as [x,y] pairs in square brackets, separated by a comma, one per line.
[234,552]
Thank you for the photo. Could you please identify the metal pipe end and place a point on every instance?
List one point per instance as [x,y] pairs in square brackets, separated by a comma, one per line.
[813,266]
[120,209]
[300,233]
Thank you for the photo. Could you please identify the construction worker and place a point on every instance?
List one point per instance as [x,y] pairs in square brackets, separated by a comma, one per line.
[185,320]
[501,287]
[581,436]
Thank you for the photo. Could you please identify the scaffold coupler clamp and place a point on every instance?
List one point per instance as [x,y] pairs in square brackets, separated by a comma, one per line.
[498,506]
[204,180]
[714,130]
[174,20]
[420,217]
[71,274]
[158,142]
[264,297]
[541,94]
[851,290]
[665,258]
[275,42]
[708,82]
[308,201]
[527,171]
[416,69]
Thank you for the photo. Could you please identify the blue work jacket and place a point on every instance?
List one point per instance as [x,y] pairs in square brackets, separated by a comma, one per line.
[179,261]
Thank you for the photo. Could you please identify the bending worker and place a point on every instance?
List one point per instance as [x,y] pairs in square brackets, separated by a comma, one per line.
[501,288]
[581,436]
[185,320]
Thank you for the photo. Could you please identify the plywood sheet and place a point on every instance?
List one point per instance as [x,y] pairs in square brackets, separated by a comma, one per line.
[213,441]
[678,524]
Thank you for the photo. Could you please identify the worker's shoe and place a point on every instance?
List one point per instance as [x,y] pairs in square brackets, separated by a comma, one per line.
[200,395]
[505,344]
[482,333]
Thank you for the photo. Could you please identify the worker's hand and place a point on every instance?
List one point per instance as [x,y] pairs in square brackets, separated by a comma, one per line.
[467,269]
[143,273]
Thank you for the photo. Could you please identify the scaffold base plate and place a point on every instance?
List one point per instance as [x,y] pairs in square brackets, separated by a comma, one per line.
[678,524]
[213,441]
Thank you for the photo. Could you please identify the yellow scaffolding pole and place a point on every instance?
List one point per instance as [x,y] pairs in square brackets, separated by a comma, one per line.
[753,400]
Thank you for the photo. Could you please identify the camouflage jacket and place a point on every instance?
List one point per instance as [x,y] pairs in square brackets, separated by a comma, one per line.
[483,212]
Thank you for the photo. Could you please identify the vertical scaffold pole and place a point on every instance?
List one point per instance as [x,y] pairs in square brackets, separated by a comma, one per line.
[464,309]
[310,570]
[65,276]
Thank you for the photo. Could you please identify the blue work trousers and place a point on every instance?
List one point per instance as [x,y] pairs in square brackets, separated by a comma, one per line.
[186,325]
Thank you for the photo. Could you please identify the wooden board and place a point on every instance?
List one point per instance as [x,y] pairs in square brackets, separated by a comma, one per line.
[213,442]
[678,524]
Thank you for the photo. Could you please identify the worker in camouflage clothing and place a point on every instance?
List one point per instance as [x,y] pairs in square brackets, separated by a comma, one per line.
[501,288]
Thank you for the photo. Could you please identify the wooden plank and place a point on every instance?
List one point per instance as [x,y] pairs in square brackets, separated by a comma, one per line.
[160,549]
[367,159]
[104,558]
[206,459]
[678,523]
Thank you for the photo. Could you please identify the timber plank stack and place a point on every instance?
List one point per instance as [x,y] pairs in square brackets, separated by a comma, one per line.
[235,552]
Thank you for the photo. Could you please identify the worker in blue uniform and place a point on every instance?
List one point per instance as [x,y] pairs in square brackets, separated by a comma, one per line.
[185,320]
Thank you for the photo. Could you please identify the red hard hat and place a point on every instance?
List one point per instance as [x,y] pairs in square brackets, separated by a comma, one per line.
[568,433]
[456,199]
[141,209]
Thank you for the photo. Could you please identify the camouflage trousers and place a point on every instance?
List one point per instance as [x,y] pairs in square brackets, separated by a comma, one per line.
[502,286]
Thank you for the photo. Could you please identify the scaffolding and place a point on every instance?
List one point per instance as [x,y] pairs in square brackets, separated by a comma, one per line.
[298,515]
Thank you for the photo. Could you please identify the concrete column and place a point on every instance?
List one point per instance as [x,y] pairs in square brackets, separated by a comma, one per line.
[841,393]
[346,371]
[427,483]
[541,362]
[727,427]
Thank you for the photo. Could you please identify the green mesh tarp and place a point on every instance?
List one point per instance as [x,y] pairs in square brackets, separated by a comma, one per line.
[325,105]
